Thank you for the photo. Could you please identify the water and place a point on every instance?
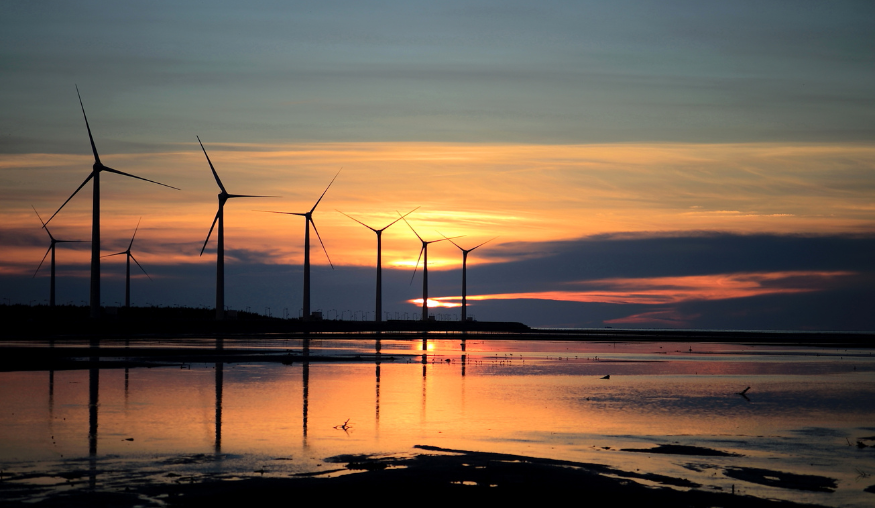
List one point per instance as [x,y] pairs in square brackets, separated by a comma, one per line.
[804,410]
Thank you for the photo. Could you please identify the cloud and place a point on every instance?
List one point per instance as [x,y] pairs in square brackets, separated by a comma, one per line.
[710,279]
[669,318]
[524,194]
[669,290]
[436,303]
[644,274]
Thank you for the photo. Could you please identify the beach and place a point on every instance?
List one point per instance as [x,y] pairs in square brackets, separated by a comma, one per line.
[187,421]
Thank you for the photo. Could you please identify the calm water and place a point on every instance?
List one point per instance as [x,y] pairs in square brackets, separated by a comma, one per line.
[544,399]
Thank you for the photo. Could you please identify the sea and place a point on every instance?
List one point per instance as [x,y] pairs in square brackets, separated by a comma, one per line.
[709,412]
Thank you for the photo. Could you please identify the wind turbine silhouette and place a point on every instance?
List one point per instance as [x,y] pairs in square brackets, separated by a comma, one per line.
[96,169]
[52,250]
[308,216]
[379,233]
[220,250]
[423,250]
[128,271]
[465,253]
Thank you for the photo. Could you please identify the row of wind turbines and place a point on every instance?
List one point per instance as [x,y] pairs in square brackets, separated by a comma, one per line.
[223,197]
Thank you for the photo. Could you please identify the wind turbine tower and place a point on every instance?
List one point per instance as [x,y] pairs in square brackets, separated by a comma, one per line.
[379,232]
[308,216]
[465,275]
[423,254]
[96,169]
[220,250]
[129,257]
[52,250]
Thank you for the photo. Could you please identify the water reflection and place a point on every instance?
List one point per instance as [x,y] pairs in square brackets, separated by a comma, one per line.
[464,356]
[424,355]
[422,418]
[220,383]
[51,394]
[93,403]
[127,375]
[377,358]
[543,407]
[305,377]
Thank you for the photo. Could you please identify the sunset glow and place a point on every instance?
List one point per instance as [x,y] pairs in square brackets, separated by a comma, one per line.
[669,290]
[641,157]
[437,302]
[621,252]
[521,193]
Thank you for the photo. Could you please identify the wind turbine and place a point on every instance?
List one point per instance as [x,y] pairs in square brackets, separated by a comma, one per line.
[379,233]
[465,274]
[52,250]
[220,250]
[128,271]
[96,169]
[308,216]
[423,250]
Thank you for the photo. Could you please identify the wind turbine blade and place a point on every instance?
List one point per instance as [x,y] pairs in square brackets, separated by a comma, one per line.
[447,238]
[110,170]
[283,213]
[135,234]
[360,222]
[41,262]
[326,190]
[452,242]
[116,254]
[90,176]
[138,264]
[248,196]
[408,225]
[90,137]
[417,264]
[43,223]
[484,243]
[211,230]
[320,242]
[399,218]
[38,215]
[216,175]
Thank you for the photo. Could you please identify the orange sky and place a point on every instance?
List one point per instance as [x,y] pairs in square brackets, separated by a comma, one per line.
[520,193]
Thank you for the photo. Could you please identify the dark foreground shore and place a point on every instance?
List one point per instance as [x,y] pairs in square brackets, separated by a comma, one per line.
[25,323]
[432,475]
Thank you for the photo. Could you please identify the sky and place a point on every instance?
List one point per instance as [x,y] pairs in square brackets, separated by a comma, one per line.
[639,164]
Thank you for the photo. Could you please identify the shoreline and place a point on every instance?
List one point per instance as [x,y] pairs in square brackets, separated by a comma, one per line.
[25,323]
[73,352]
[429,470]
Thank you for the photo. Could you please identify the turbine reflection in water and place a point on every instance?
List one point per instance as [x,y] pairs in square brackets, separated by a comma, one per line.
[545,407]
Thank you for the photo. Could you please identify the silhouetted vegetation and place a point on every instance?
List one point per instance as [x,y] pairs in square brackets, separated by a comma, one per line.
[42,321]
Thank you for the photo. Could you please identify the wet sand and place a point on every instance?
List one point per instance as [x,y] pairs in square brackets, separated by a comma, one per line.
[171,477]
[454,476]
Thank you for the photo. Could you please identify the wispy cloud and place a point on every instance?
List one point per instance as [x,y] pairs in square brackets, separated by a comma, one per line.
[669,318]
[436,303]
[672,290]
